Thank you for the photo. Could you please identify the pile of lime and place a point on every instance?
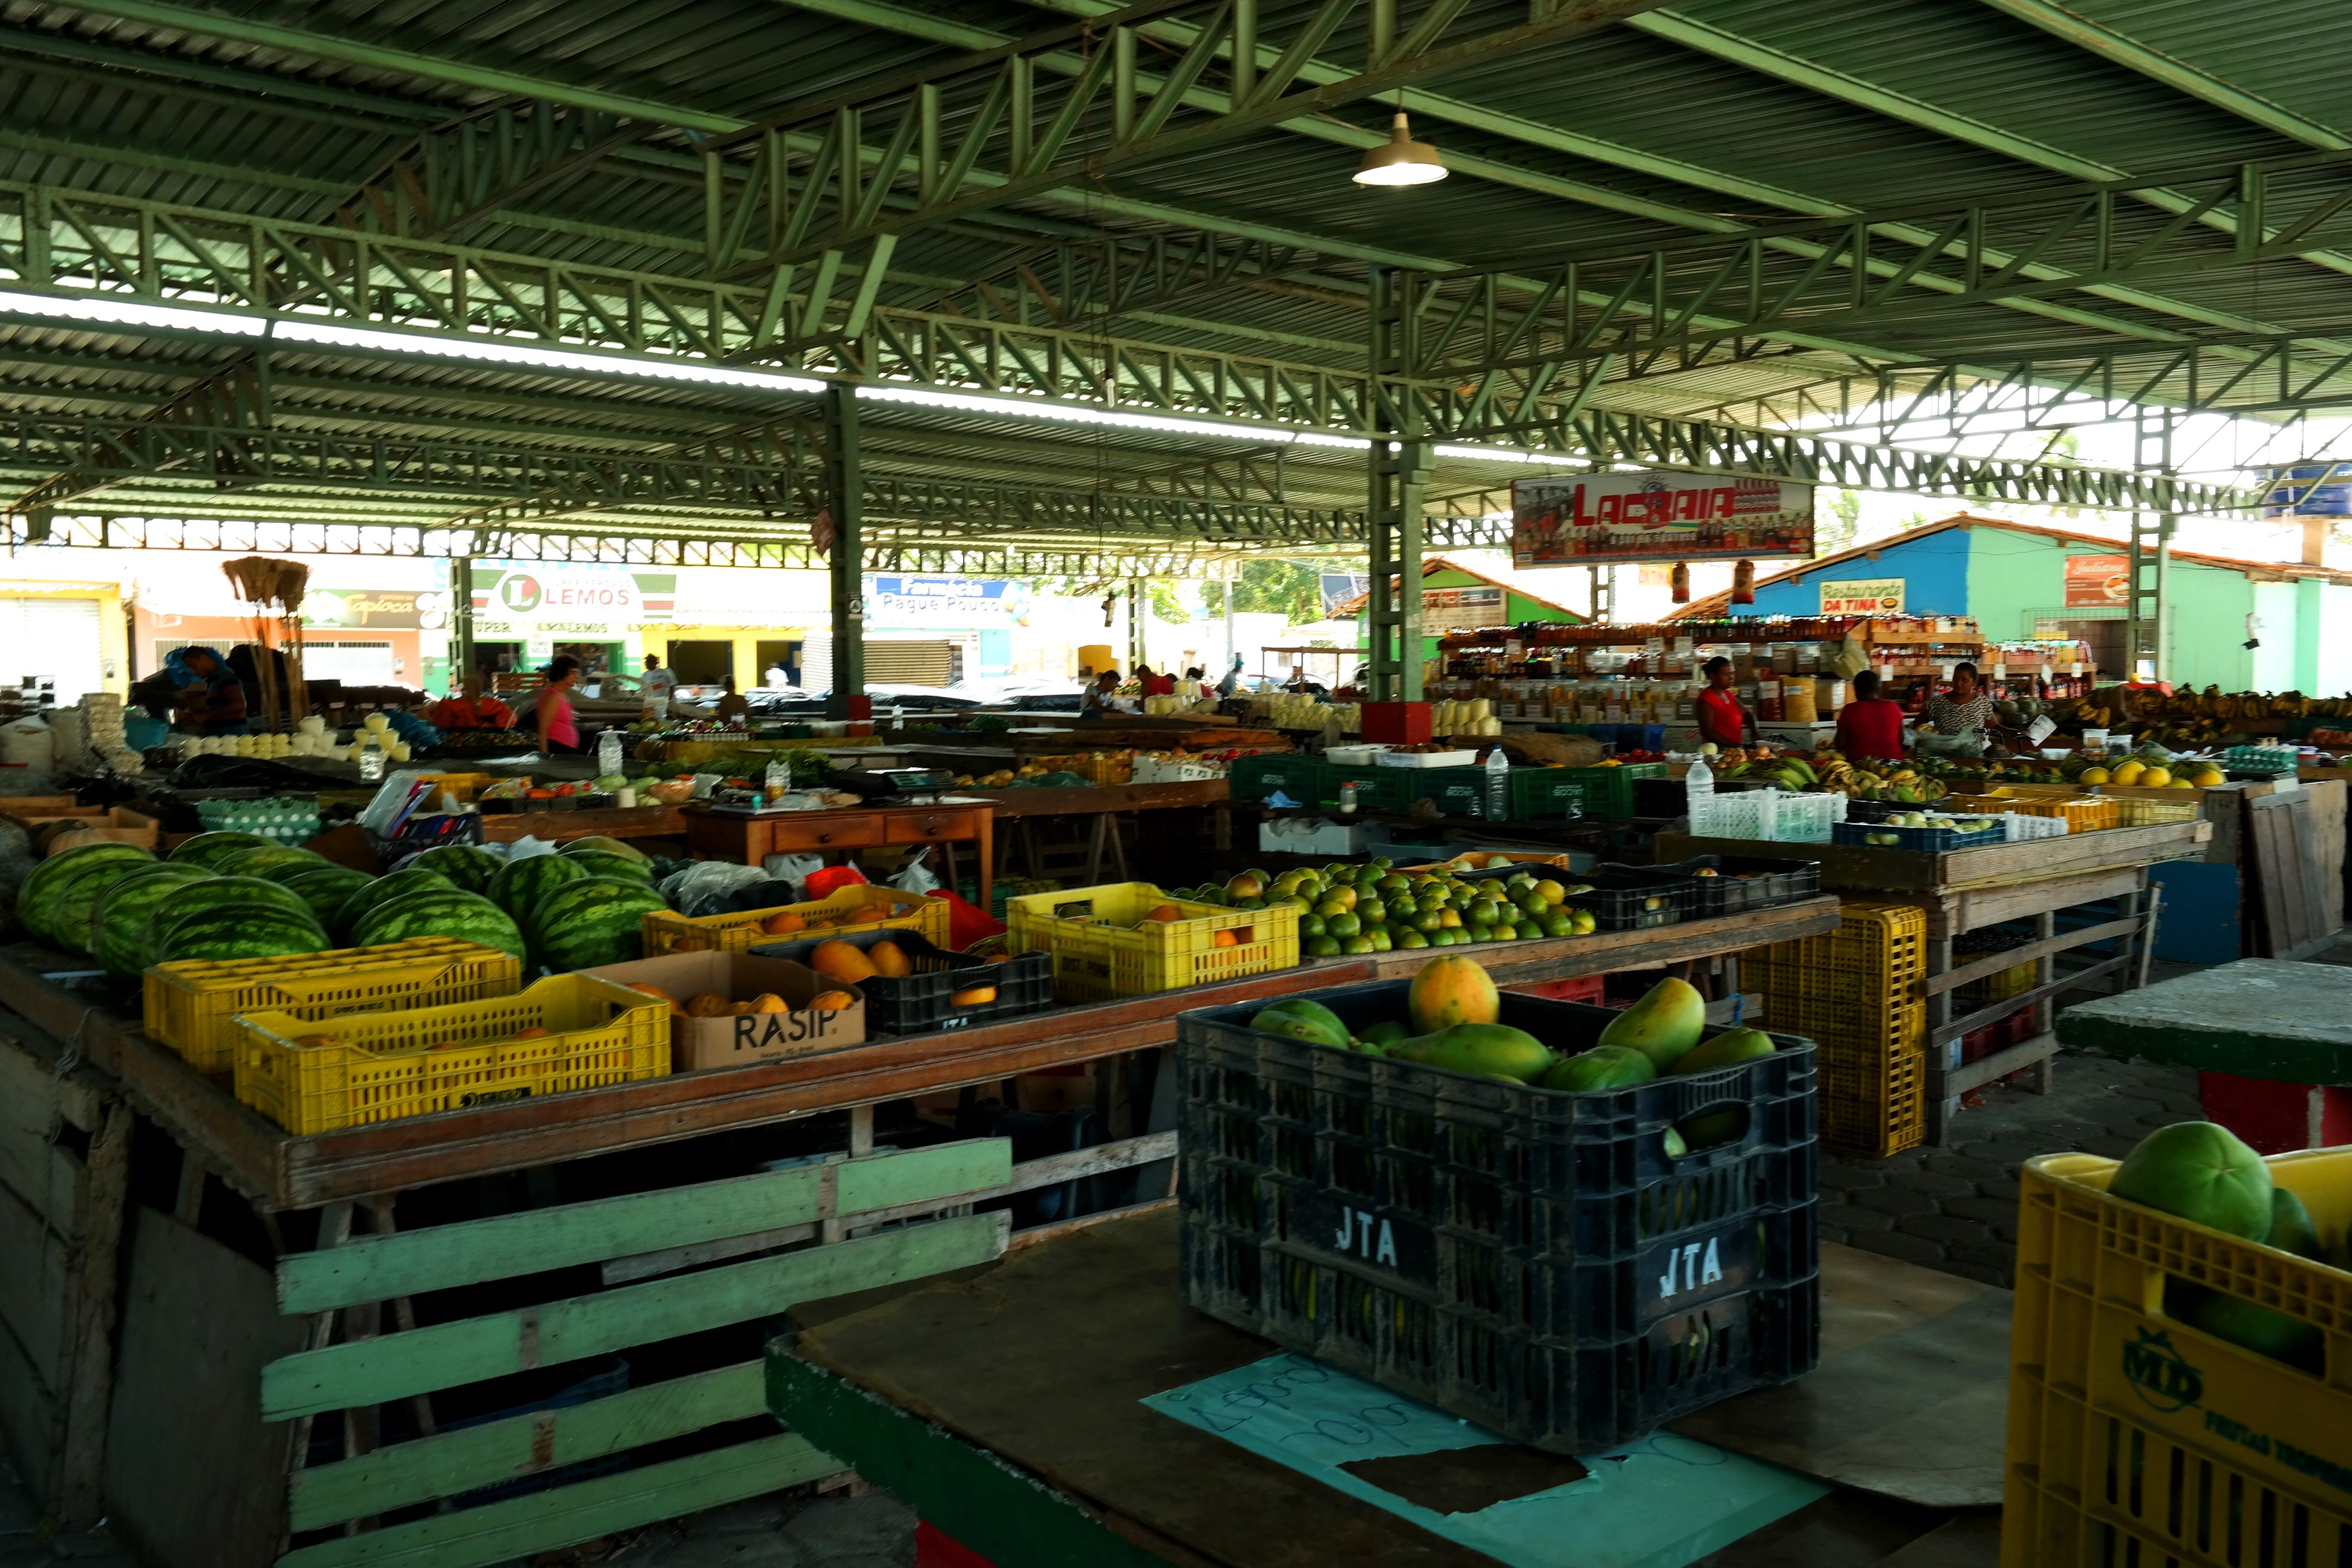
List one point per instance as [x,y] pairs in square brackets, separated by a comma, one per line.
[1375,908]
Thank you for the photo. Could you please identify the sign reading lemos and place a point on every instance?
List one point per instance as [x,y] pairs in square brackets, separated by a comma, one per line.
[1582,520]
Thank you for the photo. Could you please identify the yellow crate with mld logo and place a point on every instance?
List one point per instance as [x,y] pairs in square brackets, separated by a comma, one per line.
[1105,945]
[2135,1436]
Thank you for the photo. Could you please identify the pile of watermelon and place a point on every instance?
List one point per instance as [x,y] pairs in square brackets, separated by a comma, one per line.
[235,895]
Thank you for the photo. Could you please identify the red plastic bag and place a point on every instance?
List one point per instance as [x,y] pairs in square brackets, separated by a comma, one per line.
[967,921]
[823,884]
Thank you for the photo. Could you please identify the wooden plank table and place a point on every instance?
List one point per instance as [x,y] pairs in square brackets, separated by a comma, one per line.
[1865,869]
[277,1170]
[749,839]
[1017,808]
[2270,1041]
[1002,1403]
[560,827]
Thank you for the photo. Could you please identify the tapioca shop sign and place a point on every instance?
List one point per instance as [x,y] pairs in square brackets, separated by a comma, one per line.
[538,602]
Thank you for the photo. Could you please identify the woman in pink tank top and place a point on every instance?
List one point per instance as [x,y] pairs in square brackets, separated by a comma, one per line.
[557,732]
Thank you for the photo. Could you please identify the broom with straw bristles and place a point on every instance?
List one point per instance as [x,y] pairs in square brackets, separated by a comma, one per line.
[274,589]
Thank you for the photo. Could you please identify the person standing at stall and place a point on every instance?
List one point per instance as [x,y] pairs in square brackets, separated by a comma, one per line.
[1964,709]
[559,731]
[1871,726]
[1095,700]
[1721,719]
[210,699]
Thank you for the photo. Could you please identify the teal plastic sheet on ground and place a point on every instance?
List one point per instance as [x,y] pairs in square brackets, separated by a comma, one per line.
[1662,1502]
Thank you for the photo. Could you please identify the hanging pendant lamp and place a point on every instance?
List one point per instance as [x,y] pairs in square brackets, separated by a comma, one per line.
[1400,160]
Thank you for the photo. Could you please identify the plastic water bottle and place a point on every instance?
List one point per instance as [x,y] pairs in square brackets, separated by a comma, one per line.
[371,759]
[608,752]
[1698,787]
[1498,785]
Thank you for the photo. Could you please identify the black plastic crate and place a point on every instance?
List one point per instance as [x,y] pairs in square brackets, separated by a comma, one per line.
[1745,882]
[1634,898]
[1530,1260]
[1931,838]
[918,1003]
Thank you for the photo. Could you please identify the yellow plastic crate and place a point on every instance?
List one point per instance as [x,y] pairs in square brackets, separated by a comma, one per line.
[2082,813]
[2001,985]
[381,1067]
[192,1005]
[1103,947]
[2134,1439]
[875,909]
[1871,1103]
[2140,812]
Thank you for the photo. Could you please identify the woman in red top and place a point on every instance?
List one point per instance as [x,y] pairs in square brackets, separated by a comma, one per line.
[1721,719]
[558,732]
[1869,725]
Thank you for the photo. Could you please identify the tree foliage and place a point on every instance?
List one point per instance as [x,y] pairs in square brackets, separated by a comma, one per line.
[1292,589]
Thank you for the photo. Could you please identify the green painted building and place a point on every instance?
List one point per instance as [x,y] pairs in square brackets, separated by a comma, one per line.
[2022,581]
[1455,598]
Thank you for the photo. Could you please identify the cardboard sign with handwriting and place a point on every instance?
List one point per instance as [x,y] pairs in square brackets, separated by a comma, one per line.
[739,1039]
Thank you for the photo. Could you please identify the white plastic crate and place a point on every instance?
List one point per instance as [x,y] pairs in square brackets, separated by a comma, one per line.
[1157,770]
[2018,827]
[1363,757]
[1769,814]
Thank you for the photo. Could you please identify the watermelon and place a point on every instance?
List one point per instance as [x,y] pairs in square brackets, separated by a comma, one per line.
[383,890]
[260,861]
[598,844]
[596,921]
[596,863]
[206,851]
[117,921]
[54,905]
[233,932]
[468,865]
[435,911]
[521,885]
[324,886]
[219,896]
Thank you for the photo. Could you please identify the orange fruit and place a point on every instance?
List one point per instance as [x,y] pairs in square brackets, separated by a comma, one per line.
[1166,912]
[782,922]
[1223,939]
[889,960]
[710,1005]
[769,1002]
[530,1034]
[973,997]
[314,1040]
[739,1009]
[837,960]
[831,1001]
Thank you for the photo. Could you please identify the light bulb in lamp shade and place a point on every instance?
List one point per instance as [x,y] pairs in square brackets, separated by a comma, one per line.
[1400,160]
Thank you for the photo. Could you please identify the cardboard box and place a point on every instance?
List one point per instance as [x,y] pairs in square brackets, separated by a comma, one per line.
[699,1044]
[116,825]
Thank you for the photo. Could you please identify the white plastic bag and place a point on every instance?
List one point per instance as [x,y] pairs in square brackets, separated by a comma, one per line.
[707,878]
[792,868]
[915,877]
[526,848]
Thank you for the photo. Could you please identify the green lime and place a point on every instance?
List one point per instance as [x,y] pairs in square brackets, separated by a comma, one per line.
[1528,931]
[1342,873]
[1310,925]
[1558,922]
[1321,947]
[1346,923]
[1391,884]
[1382,941]
[1330,907]
[1481,912]
[1356,944]
[1427,920]
[1372,914]
[1486,933]
[1412,939]
[1249,904]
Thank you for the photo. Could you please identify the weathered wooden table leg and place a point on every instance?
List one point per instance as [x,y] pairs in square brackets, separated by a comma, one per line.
[334,1230]
[986,844]
[1947,1051]
[88,1382]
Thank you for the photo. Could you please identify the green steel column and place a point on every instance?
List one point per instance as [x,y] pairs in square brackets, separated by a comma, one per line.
[2149,557]
[842,503]
[461,619]
[1398,469]
[1134,611]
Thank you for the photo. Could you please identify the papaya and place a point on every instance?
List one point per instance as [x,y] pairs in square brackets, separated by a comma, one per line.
[2291,1227]
[2202,1172]
[1664,1025]
[1604,1066]
[889,960]
[1378,1038]
[1727,1049]
[1298,1019]
[838,960]
[1454,989]
[1486,1050]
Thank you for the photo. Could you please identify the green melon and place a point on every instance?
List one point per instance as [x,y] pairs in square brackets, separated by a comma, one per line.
[522,885]
[219,933]
[598,921]
[261,861]
[53,904]
[597,863]
[468,865]
[598,844]
[383,890]
[206,851]
[117,921]
[434,911]
[325,887]
[222,896]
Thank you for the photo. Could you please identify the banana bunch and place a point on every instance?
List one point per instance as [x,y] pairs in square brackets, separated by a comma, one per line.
[1793,772]
[1904,784]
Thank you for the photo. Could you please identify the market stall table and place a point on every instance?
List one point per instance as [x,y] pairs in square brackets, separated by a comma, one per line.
[747,837]
[560,826]
[1003,1404]
[1101,803]
[2270,1041]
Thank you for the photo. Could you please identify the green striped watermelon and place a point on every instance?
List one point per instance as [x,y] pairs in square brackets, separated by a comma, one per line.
[117,921]
[325,887]
[598,844]
[220,896]
[238,932]
[468,865]
[596,863]
[262,860]
[383,890]
[598,921]
[53,904]
[521,885]
[206,851]
[439,912]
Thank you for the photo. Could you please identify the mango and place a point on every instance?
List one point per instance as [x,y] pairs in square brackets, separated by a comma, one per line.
[1488,1050]
[1727,1049]
[1451,990]
[1604,1066]
[1298,1019]
[2291,1227]
[838,960]
[2259,1330]
[2200,1173]
[1378,1040]
[1664,1025]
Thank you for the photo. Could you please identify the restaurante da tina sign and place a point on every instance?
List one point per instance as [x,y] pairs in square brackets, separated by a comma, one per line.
[1583,520]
